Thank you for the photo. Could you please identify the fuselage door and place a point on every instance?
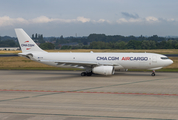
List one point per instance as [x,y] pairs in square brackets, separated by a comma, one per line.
[154,59]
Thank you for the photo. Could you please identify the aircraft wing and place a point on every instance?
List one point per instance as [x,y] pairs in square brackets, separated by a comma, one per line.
[79,63]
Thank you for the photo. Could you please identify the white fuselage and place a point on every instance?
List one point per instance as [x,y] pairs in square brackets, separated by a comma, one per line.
[118,60]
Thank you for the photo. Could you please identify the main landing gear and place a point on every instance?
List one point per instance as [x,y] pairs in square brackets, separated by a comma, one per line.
[86,73]
[153,73]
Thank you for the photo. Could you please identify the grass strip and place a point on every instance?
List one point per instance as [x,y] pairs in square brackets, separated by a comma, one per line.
[160,51]
[76,69]
[40,68]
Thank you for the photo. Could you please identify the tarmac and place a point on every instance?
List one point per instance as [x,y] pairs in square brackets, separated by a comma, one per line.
[65,95]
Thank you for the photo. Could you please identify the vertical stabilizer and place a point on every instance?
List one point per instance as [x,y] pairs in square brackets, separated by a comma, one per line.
[26,43]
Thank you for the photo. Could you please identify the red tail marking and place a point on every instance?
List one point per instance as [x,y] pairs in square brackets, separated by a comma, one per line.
[28,48]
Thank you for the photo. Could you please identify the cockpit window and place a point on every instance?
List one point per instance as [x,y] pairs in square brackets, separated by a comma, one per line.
[164,58]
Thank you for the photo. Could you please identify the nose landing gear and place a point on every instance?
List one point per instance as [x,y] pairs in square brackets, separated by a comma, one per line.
[153,73]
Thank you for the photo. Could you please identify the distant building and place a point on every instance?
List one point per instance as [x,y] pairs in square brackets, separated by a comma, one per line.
[10,48]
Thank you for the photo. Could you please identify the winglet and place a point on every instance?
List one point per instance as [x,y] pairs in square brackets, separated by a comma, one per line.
[26,43]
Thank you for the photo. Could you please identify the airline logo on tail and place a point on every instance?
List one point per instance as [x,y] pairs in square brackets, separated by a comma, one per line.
[28,48]
[25,44]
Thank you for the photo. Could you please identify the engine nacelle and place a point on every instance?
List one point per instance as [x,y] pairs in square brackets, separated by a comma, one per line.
[104,70]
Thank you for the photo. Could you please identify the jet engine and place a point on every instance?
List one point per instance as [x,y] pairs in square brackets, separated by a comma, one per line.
[104,70]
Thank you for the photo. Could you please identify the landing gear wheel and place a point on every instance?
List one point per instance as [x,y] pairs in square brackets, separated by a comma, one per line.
[153,73]
[83,74]
[86,73]
[89,73]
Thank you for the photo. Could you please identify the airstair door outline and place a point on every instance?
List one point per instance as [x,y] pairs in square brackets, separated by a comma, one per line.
[154,59]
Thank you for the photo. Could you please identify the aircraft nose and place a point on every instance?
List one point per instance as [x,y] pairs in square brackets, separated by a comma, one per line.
[170,62]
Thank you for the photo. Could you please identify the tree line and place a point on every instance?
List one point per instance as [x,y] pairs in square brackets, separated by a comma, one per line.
[8,43]
[101,41]
[132,44]
[97,41]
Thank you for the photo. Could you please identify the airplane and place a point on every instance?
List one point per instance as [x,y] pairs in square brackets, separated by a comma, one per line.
[92,63]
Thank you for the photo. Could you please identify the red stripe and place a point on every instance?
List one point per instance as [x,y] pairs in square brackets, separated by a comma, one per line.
[160,94]
[28,48]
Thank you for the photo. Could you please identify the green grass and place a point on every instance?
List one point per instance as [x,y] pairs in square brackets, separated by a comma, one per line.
[76,69]
[160,70]
[160,51]
[168,70]
[40,68]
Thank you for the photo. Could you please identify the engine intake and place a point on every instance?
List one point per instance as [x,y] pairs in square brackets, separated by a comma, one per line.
[103,70]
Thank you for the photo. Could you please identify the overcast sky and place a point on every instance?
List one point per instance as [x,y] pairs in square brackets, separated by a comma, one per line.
[83,17]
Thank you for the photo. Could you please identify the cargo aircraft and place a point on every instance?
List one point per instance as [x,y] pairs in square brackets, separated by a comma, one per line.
[97,63]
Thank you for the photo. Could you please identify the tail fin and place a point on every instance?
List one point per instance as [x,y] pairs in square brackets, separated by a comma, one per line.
[26,43]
